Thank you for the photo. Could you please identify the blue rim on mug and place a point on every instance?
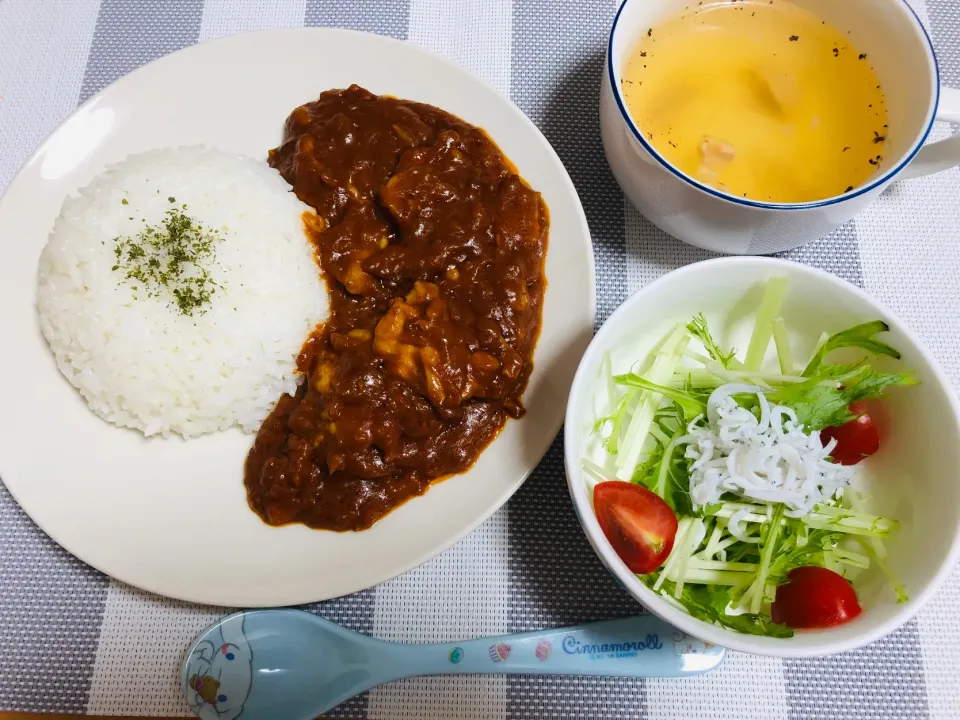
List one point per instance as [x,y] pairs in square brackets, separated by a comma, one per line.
[873,184]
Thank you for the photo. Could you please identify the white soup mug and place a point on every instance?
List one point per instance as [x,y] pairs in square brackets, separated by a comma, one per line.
[902,56]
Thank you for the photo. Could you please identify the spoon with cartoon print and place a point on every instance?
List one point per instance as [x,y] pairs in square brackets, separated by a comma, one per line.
[295,665]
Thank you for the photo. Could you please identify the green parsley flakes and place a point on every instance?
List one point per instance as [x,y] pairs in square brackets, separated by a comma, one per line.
[172,258]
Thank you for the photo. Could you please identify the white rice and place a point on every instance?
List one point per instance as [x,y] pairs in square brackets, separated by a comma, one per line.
[139,361]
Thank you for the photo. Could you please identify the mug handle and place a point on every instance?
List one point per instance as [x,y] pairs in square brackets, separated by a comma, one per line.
[944,154]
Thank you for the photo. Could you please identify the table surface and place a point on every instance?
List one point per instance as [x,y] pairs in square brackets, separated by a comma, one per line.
[73,641]
[15,715]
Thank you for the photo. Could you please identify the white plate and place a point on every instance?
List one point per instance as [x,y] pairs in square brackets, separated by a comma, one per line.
[171,516]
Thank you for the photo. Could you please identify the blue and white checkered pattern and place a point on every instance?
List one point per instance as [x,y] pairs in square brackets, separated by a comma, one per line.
[72,640]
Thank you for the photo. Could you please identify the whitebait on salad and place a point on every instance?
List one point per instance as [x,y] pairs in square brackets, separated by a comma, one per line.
[727,489]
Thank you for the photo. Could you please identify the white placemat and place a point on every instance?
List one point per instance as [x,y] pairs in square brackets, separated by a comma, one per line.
[71,640]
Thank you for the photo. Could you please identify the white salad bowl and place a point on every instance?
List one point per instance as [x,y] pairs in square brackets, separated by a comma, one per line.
[913,478]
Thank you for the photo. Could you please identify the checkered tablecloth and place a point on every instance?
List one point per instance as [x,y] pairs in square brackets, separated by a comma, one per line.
[72,640]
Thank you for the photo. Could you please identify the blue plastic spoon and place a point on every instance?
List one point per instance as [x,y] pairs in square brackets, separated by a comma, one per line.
[293,665]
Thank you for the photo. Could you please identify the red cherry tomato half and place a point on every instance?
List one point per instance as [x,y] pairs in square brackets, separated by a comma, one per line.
[855,440]
[814,597]
[637,522]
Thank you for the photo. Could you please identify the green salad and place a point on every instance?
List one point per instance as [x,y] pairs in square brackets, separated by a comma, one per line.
[727,488]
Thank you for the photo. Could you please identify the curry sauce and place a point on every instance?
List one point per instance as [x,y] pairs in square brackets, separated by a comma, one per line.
[433,250]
